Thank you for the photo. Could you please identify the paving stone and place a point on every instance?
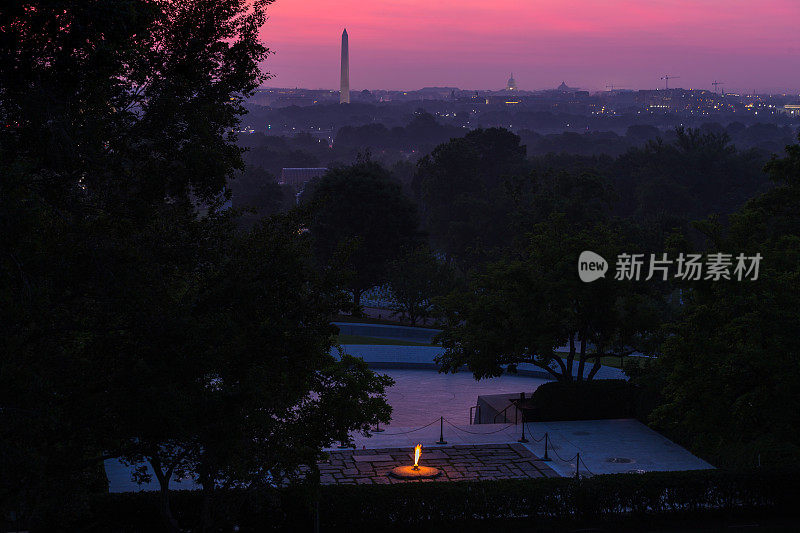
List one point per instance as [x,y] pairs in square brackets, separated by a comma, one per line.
[457,462]
[372,458]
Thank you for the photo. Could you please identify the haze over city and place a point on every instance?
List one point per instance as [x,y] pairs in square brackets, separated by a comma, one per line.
[408,44]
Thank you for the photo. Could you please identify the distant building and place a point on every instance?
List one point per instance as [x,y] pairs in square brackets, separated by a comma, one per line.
[435,93]
[512,83]
[297,177]
[261,98]
[277,97]
[564,88]
[790,109]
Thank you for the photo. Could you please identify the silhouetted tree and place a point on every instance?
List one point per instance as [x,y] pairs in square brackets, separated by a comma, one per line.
[461,191]
[524,307]
[257,191]
[417,278]
[134,321]
[359,215]
[729,368]
[531,301]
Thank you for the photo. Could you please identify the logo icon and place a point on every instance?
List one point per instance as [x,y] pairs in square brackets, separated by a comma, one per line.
[591,266]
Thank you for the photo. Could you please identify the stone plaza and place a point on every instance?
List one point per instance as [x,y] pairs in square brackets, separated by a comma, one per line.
[461,462]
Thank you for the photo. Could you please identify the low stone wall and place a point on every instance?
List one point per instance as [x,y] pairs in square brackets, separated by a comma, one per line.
[385,331]
[496,409]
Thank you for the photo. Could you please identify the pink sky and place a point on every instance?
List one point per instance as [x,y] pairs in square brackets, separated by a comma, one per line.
[475,44]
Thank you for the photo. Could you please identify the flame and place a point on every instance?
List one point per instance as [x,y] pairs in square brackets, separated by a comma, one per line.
[417,452]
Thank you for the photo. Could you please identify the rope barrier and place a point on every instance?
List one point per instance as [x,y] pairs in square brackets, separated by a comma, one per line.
[543,437]
[565,460]
[478,433]
[586,467]
[412,430]
[530,434]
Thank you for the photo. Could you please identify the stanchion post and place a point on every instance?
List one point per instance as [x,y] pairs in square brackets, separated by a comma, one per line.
[522,438]
[441,431]
[316,514]
[546,457]
[577,465]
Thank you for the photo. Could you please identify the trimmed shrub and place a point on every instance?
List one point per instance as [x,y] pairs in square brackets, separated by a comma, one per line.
[582,400]
[627,500]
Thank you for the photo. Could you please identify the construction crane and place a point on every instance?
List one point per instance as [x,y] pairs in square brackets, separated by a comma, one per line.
[666,79]
[716,83]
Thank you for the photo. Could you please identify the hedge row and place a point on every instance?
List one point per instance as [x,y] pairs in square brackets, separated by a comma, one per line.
[582,400]
[654,496]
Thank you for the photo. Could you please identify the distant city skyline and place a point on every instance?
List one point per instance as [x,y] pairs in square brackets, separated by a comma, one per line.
[410,44]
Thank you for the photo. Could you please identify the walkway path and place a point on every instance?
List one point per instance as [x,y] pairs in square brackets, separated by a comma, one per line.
[606,446]
[419,396]
[630,445]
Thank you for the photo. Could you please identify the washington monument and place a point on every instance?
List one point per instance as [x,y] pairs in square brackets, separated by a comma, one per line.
[344,89]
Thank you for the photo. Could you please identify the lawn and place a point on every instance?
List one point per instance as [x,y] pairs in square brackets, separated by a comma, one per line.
[372,320]
[361,339]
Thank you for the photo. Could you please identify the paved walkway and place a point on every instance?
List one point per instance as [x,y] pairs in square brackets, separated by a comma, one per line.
[419,396]
[605,446]
[456,463]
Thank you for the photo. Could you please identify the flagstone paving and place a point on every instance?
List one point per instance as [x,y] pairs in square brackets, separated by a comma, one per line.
[457,463]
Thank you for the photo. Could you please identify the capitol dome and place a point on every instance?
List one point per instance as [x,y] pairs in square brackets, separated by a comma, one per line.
[512,83]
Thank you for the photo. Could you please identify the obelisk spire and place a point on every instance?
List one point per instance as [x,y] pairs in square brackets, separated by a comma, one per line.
[344,89]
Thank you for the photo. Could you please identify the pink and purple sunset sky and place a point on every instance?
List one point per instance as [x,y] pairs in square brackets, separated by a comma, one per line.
[475,44]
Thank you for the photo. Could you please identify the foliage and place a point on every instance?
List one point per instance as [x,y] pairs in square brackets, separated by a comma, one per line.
[460,187]
[257,193]
[108,110]
[532,301]
[248,391]
[731,368]
[359,216]
[629,502]
[416,279]
[422,133]
[135,320]
[698,174]
[584,400]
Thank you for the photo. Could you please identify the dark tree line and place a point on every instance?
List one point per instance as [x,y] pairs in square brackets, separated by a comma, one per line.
[137,321]
[729,367]
[360,220]
[398,142]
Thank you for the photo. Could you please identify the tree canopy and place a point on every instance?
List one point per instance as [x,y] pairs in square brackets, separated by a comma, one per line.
[418,278]
[729,368]
[460,187]
[359,216]
[532,302]
[136,320]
